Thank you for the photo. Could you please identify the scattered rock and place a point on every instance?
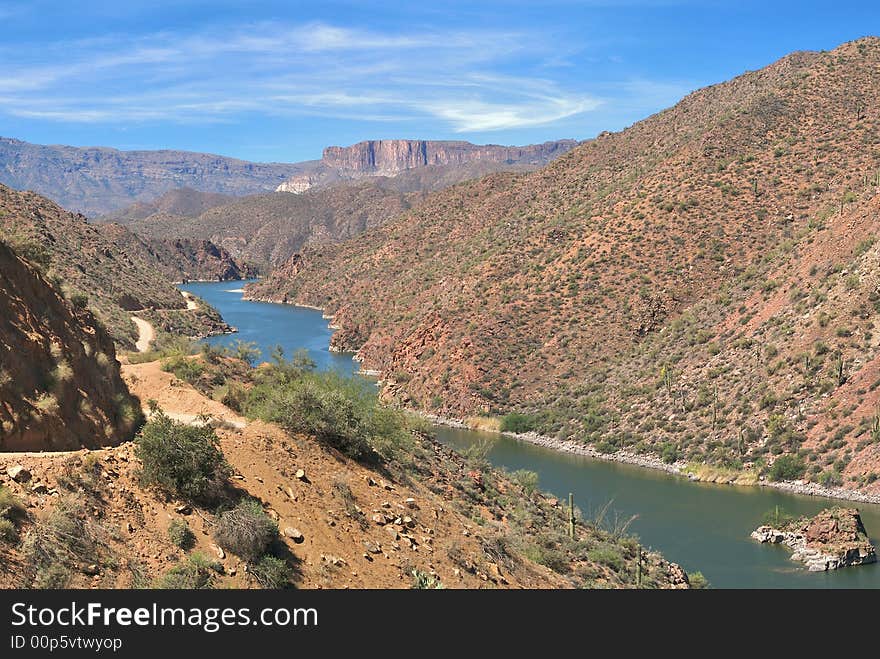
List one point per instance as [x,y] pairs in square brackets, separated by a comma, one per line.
[372,547]
[183,509]
[294,534]
[392,532]
[220,553]
[39,488]
[379,519]
[411,504]
[90,569]
[301,475]
[18,473]
[333,560]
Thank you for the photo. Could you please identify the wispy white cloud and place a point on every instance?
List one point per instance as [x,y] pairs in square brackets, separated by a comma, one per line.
[459,78]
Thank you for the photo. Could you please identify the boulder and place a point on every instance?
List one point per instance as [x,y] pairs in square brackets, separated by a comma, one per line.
[18,473]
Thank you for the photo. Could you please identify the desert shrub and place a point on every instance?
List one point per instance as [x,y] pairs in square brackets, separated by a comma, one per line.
[246,351]
[528,480]
[180,534]
[79,300]
[163,347]
[546,553]
[181,459]
[787,467]
[424,581]
[697,580]
[67,537]
[607,555]
[245,530]
[271,572]
[340,412]
[52,577]
[183,368]
[195,573]
[8,531]
[518,423]
[831,478]
[668,452]
[777,517]
[11,507]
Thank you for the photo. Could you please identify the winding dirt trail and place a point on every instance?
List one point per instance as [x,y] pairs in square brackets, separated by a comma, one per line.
[146,334]
[190,303]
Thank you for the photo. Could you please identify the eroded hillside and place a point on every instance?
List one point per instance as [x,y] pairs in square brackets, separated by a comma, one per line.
[698,285]
[60,385]
[103,268]
[428,518]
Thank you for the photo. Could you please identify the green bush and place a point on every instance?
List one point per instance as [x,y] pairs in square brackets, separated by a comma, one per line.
[179,533]
[518,423]
[787,467]
[528,480]
[271,572]
[8,531]
[11,511]
[183,368]
[52,577]
[607,555]
[830,478]
[697,580]
[246,351]
[181,459]
[195,573]
[668,452]
[425,581]
[340,412]
[246,530]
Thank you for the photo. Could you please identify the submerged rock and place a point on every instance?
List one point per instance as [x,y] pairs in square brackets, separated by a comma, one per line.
[833,539]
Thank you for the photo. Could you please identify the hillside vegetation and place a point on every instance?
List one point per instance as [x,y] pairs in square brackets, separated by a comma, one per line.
[104,268]
[338,494]
[702,285]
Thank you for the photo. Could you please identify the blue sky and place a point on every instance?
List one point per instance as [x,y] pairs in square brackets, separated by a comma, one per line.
[278,81]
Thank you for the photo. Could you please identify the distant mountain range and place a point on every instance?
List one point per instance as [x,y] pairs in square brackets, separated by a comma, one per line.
[100,180]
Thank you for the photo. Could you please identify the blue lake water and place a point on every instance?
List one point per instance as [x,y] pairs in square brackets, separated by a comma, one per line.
[701,526]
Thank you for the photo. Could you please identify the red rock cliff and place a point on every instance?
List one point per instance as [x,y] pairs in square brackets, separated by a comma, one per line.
[389,157]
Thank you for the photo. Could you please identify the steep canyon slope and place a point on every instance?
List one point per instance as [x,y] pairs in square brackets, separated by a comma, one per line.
[701,285]
[102,267]
[60,384]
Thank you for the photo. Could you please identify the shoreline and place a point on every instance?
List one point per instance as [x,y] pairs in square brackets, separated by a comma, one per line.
[651,462]
[623,456]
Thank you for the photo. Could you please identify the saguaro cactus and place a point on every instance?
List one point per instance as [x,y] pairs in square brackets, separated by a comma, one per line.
[571,515]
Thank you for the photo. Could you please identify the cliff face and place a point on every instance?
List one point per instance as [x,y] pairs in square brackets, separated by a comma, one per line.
[60,386]
[180,258]
[390,157]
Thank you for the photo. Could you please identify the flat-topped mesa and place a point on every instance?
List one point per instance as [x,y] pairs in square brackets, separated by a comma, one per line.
[390,157]
[833,539]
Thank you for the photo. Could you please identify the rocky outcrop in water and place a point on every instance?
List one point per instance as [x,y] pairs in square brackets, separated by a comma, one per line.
[833,539]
